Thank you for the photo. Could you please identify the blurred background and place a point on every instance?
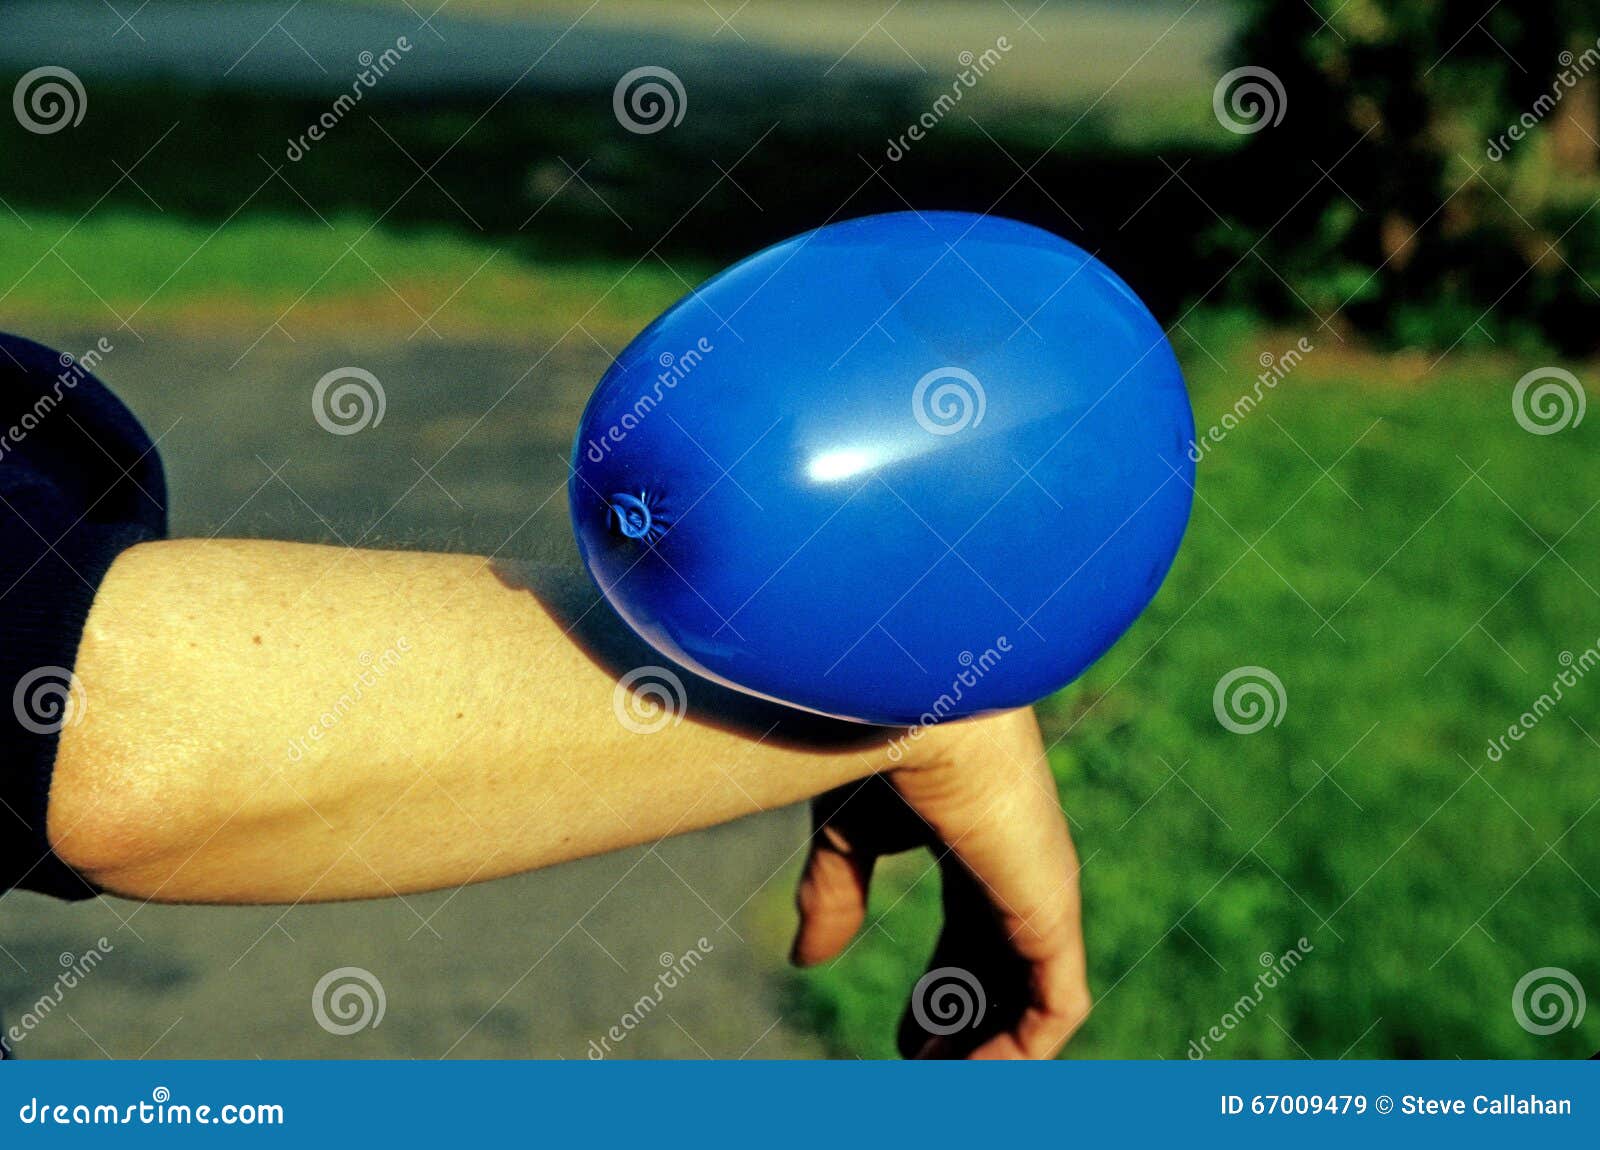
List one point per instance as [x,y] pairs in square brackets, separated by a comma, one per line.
[1369,228]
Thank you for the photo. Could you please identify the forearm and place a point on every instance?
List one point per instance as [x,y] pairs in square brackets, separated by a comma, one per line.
[272,722]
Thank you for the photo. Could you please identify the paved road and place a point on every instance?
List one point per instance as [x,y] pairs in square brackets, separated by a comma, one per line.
[531,966]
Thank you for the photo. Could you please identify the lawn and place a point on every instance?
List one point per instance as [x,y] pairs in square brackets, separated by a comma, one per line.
[1416,569]
[114,267]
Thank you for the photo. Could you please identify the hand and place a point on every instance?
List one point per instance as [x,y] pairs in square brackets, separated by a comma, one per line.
[980,795]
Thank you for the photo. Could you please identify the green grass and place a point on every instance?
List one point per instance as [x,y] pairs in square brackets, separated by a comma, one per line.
[311,277]
[1412,611]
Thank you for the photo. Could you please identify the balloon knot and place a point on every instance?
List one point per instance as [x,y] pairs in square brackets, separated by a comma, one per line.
[633,517]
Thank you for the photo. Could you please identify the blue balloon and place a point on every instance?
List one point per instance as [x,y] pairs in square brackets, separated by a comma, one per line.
[896,470]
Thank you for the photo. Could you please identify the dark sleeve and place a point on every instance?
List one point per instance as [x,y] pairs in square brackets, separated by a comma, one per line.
[79,482]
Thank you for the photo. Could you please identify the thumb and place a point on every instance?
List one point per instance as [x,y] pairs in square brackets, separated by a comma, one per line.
[832,897]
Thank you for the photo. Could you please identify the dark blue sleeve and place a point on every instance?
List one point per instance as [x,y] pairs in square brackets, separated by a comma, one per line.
[79,482]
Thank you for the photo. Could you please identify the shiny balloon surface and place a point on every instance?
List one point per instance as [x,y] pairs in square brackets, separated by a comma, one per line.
[896,470]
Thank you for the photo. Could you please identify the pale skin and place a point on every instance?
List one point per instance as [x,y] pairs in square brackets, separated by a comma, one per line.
[484,742]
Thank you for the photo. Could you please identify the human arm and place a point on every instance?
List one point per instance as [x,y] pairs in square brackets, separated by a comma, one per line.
[489,744]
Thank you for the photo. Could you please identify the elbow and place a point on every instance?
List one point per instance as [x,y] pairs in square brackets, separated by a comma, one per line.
[123,824]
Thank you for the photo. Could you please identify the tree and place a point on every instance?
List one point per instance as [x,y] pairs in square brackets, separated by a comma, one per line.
[1434,174]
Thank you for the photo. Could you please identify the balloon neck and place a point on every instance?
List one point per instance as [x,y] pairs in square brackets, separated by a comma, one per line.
[629,516]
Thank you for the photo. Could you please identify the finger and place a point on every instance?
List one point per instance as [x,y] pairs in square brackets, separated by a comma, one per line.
[856,824]
[1035,1004]
[832,897]
[1060,1005]
[975,985]
[1025,1009]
